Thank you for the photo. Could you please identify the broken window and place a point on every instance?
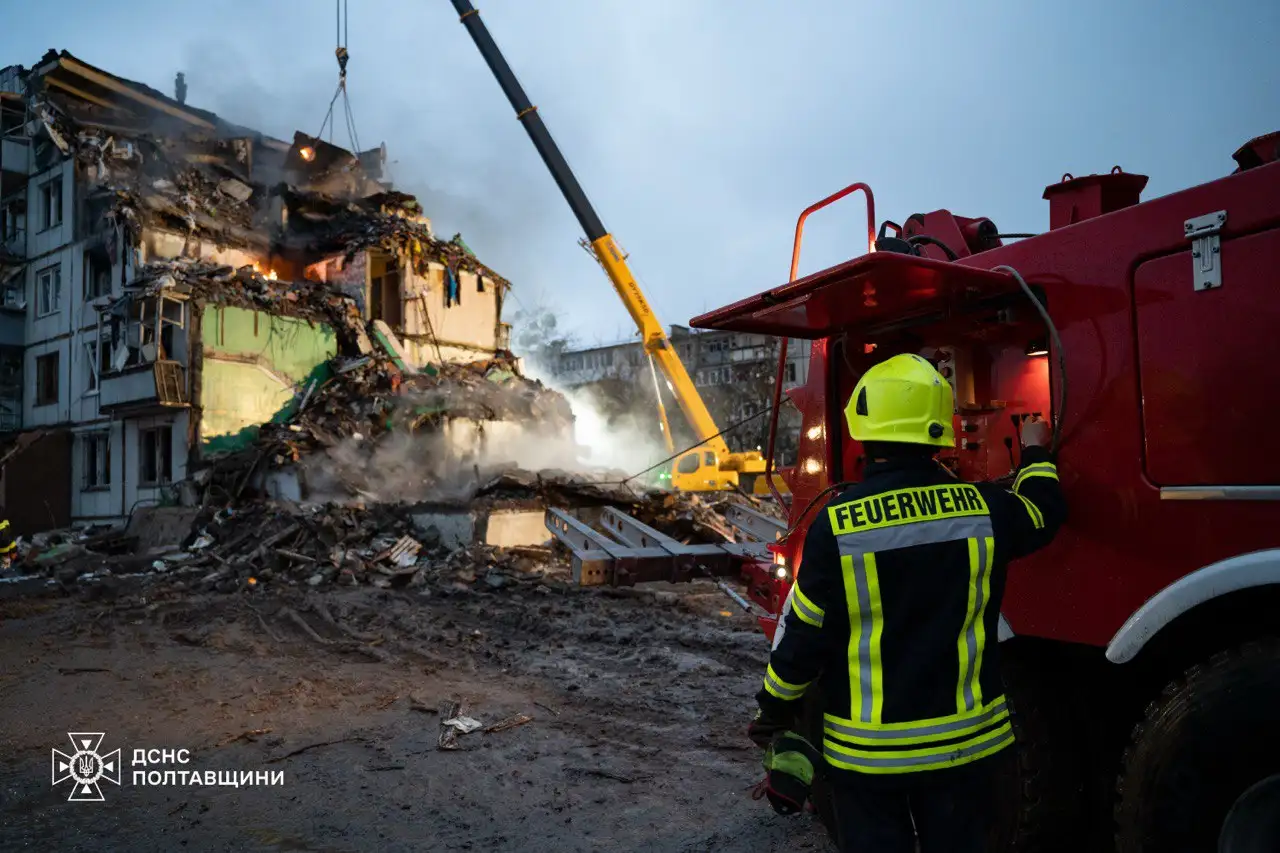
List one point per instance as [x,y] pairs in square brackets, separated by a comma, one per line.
[97,459]
[47,379]
[11,363]
[97,274]
[51,204]
[13,295]
[142,330]
[384,298]
[13,219]
[49,290]
[12,117]
[155,456]
[97,359]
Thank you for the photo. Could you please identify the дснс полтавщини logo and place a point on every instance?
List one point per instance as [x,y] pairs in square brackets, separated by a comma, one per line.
[85,767]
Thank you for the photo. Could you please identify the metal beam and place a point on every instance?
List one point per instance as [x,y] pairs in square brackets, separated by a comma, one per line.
[641,553]
[81,93]
[688,560]
[625,566]
[107,82]
[755,525]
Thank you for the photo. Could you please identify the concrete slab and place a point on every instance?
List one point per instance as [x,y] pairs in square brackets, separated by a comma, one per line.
[155,526]
[457,528]
[515,527]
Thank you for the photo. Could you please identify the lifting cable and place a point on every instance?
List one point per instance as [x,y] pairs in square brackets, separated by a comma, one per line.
[340,51]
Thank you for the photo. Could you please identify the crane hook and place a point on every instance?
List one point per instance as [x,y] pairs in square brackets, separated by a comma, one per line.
[343,56]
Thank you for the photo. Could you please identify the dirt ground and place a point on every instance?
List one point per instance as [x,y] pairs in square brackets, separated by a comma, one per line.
[639,702]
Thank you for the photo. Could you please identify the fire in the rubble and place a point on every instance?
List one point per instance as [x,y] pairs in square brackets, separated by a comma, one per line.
[270,274]
[308,153]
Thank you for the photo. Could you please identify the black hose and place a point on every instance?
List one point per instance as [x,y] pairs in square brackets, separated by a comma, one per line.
[934,241]
[1057,343]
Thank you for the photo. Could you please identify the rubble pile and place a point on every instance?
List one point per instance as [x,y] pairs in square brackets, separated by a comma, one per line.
[249,288]
[225,185]
[368,417]
[259,545]
[385,220]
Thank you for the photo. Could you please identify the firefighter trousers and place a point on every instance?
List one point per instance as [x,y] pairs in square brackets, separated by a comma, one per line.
[950,810]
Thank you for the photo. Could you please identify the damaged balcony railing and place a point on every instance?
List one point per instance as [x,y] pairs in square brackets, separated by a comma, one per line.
[633,552]
[161,384]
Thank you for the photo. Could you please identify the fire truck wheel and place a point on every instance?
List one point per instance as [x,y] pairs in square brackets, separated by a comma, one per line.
[1035,789]
[1201,770]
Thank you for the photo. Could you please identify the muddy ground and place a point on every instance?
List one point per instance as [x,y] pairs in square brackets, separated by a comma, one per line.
[639,702]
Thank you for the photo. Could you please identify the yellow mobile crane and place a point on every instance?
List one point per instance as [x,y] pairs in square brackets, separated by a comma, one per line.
[711,465]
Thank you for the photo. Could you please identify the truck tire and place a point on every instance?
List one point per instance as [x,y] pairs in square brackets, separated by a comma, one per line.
[1210,739]
[1037,791]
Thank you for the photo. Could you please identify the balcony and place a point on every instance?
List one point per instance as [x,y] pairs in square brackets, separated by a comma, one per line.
[146,389]
[14,163]
[13,327]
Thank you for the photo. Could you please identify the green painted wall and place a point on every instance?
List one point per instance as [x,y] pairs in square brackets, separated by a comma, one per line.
[256,368]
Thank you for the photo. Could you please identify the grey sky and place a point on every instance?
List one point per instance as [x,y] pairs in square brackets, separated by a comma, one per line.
[700,128]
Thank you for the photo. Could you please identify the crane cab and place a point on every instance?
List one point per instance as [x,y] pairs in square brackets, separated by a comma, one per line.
[699,471]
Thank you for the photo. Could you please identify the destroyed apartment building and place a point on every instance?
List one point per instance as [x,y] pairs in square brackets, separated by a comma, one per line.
[178,290]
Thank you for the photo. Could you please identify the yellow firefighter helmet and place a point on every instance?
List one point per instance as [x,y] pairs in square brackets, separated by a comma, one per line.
[903,399]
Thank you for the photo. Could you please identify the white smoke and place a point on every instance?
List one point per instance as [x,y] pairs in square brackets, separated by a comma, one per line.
[625,444]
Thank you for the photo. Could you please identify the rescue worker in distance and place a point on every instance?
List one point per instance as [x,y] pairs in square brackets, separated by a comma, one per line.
[8,545]
[894,617]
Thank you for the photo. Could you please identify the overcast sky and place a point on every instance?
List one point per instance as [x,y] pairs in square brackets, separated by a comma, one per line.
[700,128]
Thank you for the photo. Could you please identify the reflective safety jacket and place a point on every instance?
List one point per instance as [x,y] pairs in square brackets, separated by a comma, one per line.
[895,613]
[8,545]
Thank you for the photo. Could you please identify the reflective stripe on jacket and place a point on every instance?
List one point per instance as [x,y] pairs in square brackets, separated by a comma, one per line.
[7,543]
[895,611]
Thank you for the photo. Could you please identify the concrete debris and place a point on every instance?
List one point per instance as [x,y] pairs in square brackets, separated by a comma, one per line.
[451,710]
[256,546]
[464,725]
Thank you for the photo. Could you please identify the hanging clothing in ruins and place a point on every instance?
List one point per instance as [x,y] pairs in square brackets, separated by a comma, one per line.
[452,289]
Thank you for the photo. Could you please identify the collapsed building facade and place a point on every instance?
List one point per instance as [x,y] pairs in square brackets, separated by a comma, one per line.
[173,282]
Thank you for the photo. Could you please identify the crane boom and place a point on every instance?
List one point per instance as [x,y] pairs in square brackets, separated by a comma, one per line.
[605,247]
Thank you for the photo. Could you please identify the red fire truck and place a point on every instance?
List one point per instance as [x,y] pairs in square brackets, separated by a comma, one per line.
[1143,646]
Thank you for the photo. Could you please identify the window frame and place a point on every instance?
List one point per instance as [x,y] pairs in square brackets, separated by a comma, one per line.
[98,357]
[96,459]
[39,398]
[47,206]
[162,456]
[91,258]
[53,272]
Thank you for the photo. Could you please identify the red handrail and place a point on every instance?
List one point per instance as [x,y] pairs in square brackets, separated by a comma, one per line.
[782,351]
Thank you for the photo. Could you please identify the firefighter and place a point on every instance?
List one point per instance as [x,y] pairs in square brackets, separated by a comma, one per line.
[894,618]
[8,545]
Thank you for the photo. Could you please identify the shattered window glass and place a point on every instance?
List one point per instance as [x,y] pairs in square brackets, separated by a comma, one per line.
[143,330]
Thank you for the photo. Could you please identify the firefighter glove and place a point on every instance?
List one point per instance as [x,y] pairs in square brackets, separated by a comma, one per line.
[790,763]
[765,727]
